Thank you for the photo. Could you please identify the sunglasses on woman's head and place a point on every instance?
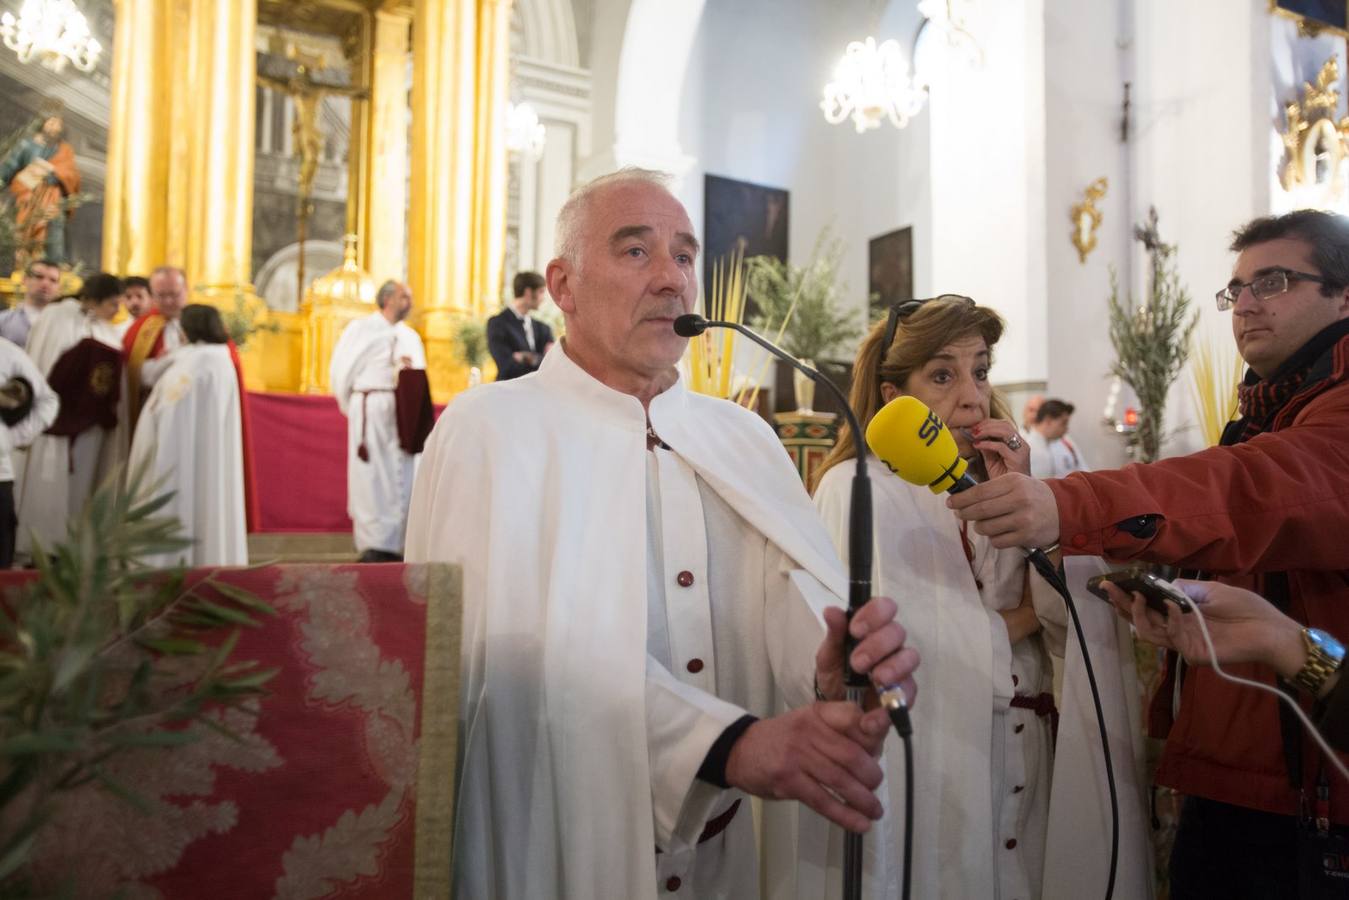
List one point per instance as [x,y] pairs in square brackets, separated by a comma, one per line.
[905,308]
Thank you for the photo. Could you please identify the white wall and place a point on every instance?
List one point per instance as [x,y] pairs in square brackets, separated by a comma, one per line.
[1085,71]
[988,179]
[1202,152]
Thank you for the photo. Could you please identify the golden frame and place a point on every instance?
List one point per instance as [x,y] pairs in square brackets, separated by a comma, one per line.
[1307,27]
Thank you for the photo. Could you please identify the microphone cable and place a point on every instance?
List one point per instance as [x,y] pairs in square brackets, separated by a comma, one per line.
[892,698]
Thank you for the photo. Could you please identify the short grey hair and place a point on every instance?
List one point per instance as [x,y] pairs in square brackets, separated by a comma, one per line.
[169,270]
[386,292]
[571,220]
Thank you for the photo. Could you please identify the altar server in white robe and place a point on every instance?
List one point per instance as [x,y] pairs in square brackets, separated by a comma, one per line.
[63,469]
[364,377]
[986,770]
[643,574]
[187,441]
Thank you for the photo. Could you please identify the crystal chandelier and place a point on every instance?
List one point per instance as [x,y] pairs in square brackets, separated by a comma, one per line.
[525,134]
[55,31]
[872,83]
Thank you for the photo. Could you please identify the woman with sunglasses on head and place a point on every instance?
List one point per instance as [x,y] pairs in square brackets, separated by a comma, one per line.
[984,747]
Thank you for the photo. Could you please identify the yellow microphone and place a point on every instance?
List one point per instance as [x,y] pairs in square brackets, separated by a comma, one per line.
[916,445]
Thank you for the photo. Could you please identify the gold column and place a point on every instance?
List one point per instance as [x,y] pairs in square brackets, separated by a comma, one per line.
[379,175]
[220,229]
[456,217]
[180,155]
[489,211]
[136,184]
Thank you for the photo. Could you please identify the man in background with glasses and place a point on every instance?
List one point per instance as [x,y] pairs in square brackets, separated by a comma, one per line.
[1268,510]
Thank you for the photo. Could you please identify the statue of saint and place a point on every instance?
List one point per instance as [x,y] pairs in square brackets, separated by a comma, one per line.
[40,173]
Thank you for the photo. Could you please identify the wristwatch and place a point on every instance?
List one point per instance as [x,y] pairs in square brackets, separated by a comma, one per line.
[1324,657]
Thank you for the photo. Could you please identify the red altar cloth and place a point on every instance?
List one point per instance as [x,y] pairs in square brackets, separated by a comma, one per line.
[341,785]
[300,462]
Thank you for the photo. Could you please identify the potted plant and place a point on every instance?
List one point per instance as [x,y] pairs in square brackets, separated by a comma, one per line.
[100,656]
[1152,338]
[470,339]
[800,306]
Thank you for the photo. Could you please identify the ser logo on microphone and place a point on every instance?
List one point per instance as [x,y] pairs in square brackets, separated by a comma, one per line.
[931,427]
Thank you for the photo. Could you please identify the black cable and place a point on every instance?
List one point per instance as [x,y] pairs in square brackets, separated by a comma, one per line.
[1051,575]
[893,699]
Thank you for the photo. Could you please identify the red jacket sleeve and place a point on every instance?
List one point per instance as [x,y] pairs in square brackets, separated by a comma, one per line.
[1279,501]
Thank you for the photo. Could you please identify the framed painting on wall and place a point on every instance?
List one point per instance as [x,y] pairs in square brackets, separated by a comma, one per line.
[1315,16]
[753,216]
[890,269]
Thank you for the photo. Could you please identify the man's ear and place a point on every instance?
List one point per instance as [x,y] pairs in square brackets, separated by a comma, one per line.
[1344,303]
[559,275]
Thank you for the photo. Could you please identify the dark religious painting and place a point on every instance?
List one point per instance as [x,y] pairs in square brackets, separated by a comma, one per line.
[736,212]
[1332,15]
[890,269]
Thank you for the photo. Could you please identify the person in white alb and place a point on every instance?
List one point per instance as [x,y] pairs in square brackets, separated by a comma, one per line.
[643,577]
[27,407]
[1052,453]
[188,441]
[1009,797]
[364,377]
[77,348]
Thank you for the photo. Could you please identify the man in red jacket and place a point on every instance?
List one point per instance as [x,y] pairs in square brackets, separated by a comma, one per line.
[1267,510]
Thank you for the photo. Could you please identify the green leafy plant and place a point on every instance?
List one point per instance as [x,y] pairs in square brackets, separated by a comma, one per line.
[243,319]
[470,339]
[802,301]
[100,655]
[1151,339]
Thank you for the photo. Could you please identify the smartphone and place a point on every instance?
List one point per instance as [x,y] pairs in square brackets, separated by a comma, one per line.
[1158,593]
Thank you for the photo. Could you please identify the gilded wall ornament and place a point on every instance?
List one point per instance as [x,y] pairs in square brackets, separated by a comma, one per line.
[1086,218]
[1315,144]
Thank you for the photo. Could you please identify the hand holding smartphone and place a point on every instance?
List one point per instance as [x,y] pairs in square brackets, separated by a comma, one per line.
[1159,594]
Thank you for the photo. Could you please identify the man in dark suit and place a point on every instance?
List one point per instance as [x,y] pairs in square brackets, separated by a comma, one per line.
[517,340]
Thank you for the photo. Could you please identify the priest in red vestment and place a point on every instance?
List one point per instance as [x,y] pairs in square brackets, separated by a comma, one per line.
[146,346]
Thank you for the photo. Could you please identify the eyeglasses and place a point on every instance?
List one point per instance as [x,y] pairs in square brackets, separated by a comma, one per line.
[905,308]
[1263,287]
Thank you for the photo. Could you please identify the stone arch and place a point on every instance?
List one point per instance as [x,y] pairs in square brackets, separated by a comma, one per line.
[545,31]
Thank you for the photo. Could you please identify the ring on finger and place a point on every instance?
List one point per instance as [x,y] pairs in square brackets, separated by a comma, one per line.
[1014,443]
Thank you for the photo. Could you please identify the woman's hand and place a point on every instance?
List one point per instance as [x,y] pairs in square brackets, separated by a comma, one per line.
[1003,448]
[1021,620]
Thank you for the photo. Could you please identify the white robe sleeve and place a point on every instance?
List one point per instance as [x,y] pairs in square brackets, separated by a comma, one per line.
[1049,609]
[682,724]
[45,405]
[410,345]
[342,367]
[153,369]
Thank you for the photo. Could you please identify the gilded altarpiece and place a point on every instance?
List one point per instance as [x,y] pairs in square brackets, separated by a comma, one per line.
[291,124]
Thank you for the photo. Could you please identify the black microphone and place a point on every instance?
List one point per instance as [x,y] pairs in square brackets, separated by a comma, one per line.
[859,567]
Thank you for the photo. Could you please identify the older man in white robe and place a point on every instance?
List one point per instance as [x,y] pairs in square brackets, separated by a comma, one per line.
[648,597]
[364,376]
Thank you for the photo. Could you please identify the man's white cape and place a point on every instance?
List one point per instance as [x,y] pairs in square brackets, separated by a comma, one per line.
[536,487]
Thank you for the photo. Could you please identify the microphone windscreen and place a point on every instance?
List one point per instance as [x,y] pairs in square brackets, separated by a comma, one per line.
[916,444]
[690,325]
